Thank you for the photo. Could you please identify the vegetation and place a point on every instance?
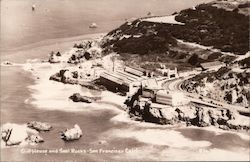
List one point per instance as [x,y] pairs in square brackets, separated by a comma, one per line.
[233,86]
[204,25]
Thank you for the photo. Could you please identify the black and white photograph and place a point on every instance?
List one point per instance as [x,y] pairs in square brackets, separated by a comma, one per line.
[124,80]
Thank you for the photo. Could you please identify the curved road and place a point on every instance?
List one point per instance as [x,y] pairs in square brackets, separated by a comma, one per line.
[175,86]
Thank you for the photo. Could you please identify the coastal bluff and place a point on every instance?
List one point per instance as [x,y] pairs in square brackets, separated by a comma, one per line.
[143,110]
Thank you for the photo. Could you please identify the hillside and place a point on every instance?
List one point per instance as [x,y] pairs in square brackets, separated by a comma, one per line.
[204,25]
[227,84]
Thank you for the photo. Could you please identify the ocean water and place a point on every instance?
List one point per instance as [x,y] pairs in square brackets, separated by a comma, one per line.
[67,18]
[102,128]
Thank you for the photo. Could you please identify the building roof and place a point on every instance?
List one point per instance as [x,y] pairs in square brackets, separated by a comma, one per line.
[128,75]
[116,77]
[208,65]
[151,84]
[111,77]
[135,71]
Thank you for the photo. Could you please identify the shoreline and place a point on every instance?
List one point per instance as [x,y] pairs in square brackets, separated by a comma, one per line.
[41,99]
[47,42]
[37,86]
[40,50]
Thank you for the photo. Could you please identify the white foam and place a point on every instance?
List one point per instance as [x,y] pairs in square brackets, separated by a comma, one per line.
[52,95]
[160,137]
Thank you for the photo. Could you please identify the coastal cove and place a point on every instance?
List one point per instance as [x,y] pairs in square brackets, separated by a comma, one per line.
[33,89]
[104,126]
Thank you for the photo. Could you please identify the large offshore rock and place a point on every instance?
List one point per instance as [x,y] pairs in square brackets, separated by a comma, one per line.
[39,126]
[15,134]
[76,97]
[72,134]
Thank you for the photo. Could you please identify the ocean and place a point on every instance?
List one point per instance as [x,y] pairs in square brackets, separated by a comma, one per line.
[29,35]
[68,18]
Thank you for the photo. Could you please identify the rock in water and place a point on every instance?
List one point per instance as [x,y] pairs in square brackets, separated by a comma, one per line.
[14,134]
[7,63]
[76,97]
[34,138]
[72,134]
[39,126]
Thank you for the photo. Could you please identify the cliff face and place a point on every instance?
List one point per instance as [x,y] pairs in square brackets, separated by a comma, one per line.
[226,84]
[190,115]
[221,25]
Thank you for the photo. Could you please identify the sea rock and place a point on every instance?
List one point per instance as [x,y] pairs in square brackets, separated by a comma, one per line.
[72,134]
[76,97]
[39,126]
[15,134]
[54,58]
[7,63]
[65,76]
[34,138]
[68,77]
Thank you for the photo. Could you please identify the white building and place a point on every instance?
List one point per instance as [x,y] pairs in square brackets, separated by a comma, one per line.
[171,98]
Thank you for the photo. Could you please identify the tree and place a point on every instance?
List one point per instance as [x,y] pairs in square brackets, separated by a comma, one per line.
[193,60]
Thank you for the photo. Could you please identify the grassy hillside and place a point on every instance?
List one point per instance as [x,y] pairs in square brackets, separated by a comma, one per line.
[212,24]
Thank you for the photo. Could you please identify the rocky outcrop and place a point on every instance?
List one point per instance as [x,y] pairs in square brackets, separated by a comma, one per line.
[85,51]
[72,77]
[54,57]
[14,134]
[72,134]
[77,97]
[65,76]
[191,115]
[223,85]
[39,126]
[204,24]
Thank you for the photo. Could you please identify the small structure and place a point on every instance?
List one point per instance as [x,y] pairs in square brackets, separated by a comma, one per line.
[168,72]
[150,88]
[172,99]
[212,65]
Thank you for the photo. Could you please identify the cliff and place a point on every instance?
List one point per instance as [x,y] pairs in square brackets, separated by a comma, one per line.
[229,84]
[220,24]
[189,115]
